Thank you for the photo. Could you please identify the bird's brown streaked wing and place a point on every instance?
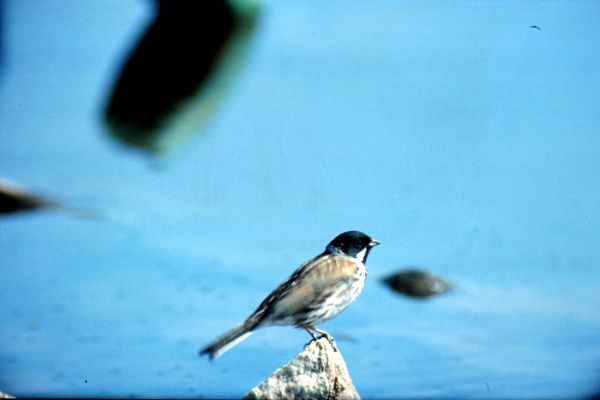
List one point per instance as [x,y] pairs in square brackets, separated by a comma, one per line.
[315,283]
[265,307]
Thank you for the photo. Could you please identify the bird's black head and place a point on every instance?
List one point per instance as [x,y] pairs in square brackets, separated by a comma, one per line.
[353,244]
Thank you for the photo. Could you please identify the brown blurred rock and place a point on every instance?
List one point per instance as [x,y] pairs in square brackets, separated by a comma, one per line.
[416,283]
[318,372]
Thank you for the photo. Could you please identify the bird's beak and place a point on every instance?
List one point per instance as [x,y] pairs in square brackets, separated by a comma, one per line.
[374,243]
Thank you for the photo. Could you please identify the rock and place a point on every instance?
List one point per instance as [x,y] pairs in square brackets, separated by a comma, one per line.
[417,283]
[5,396]
[318,372]
[179,71]
[15,199]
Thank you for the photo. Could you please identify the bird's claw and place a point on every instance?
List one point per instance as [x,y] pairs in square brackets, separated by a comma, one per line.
[331,341]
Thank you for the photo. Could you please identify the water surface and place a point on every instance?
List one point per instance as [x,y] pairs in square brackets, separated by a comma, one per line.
[463,140]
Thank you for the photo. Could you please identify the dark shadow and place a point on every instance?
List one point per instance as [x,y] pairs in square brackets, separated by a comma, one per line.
[178,54]
[594,396]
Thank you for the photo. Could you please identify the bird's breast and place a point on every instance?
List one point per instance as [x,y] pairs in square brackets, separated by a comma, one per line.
[343,294]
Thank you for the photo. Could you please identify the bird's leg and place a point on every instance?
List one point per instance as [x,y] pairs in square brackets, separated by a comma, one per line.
[322,332]
[327,336]
[311,333]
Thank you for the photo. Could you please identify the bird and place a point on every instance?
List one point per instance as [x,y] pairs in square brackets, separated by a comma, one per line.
[317,291]
[535,27]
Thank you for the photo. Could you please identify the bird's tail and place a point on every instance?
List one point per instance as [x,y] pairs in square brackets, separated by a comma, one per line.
[227,341]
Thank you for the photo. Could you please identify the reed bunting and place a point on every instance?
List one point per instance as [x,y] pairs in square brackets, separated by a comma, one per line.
[317,291]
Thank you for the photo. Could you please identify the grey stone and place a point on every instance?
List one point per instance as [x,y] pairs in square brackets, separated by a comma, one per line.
[318,372]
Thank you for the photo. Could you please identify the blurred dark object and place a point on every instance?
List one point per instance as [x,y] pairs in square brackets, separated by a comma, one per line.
[594,396]
[173,78]
[416,283]
[15,199]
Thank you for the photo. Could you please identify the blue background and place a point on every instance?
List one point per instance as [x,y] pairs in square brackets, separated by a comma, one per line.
[463,140]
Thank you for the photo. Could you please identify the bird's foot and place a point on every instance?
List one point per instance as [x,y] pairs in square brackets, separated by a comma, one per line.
[324,334]
[331,341]
[312,335]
